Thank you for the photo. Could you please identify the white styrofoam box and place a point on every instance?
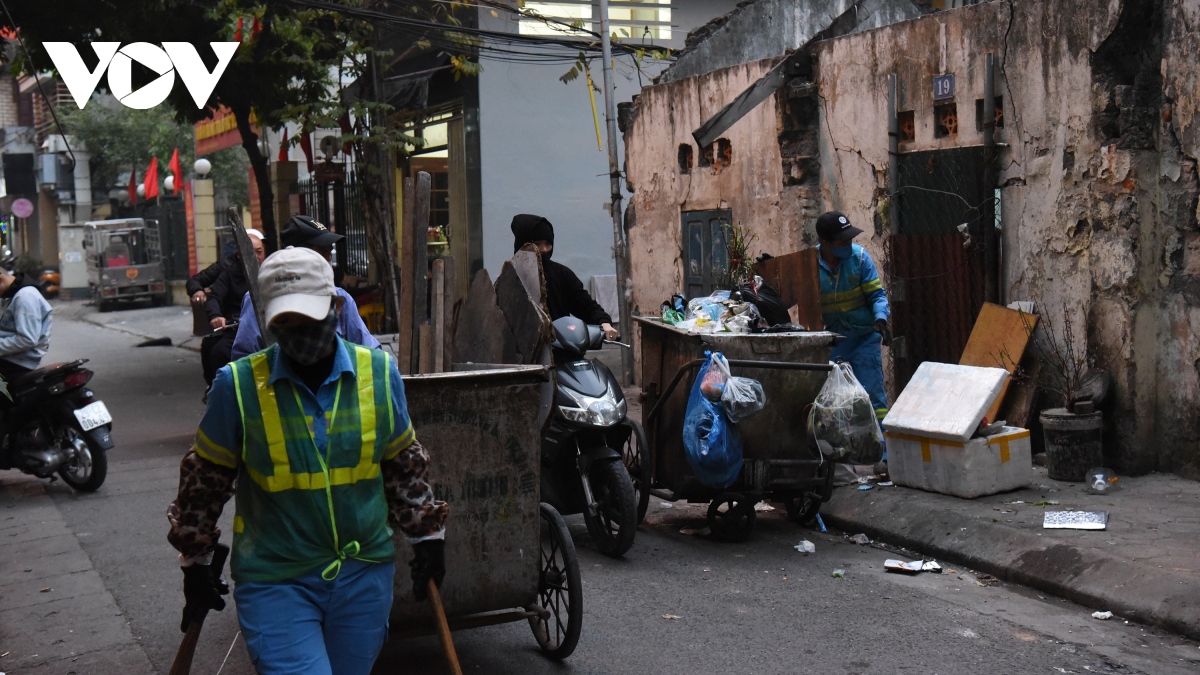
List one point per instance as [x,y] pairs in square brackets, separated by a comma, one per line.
[980,466]
[945,400]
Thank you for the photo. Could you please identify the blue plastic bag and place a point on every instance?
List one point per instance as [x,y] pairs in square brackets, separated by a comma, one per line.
[713,443]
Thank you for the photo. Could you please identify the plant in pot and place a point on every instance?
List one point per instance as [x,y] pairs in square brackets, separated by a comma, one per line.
[1073,433]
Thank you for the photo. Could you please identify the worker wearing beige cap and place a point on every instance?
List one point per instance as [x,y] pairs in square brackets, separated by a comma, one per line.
[315,431]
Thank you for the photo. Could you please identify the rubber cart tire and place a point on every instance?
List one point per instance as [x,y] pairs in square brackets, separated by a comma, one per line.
[731,517]
[559,589]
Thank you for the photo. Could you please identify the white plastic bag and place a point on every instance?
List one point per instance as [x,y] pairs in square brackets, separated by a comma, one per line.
[843,417]
[742,398]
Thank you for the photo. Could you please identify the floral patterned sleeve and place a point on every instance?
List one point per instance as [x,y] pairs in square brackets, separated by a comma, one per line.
[411,504]
[204,488]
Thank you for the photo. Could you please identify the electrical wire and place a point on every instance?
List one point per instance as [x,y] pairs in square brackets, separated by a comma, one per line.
[38,80]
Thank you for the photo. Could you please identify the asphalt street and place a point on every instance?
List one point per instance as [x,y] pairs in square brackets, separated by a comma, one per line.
[677,603]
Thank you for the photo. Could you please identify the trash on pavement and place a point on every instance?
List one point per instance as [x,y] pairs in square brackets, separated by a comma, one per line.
[843,417]
[821,523]
[1047,502]
[868,486]
[861,539]
[912,567]
[1100,480]
[1103,616]
[695,531]
[839,574]
[763,506]
[806,547]
[1075,520]
[886,483]
[671,617]
[931,566]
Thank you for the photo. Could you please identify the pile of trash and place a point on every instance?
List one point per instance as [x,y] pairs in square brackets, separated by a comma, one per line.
[755,308]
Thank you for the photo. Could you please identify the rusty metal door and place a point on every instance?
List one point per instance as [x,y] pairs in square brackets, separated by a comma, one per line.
[935,263]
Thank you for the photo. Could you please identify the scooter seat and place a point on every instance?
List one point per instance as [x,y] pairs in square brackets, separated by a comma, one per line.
[35,376]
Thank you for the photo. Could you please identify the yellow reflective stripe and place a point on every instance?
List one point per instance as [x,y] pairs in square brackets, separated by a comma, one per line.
[313,481]
[387,388]
[366,406]
[881,413]
[213,452]
[401,443]
[269,409]
[238,525]
[845,306]
[872,286]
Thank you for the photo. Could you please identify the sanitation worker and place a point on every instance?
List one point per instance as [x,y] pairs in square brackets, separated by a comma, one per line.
[304,232]
[565,294]
[315,431]
[854,304]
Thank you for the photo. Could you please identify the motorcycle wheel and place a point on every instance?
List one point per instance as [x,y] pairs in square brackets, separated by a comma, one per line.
[88,470]
[613,527]
[636,456]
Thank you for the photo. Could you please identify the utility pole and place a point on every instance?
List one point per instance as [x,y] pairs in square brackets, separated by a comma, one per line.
[620,246]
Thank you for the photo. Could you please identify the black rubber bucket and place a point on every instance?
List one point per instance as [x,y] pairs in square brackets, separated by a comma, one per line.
[1074,443]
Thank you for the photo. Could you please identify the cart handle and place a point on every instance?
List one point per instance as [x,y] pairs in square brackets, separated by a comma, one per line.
[741,363]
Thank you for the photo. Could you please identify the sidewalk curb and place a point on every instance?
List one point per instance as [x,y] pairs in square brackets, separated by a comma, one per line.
[79,316]
[1147,595]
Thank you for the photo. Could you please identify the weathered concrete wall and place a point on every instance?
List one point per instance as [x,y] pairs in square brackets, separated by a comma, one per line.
[751,186]
[764,29]
[1099,179]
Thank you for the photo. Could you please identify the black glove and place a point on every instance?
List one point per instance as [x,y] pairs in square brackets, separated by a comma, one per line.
[885,333]
[203,588]
[429,562]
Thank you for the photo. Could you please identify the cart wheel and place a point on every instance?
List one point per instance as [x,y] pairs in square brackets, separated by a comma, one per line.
[613,527]
[636,455]
[731,517]
[559,589]
[802,509]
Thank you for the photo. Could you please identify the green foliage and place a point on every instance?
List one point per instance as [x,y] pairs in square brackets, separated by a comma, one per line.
[120,138]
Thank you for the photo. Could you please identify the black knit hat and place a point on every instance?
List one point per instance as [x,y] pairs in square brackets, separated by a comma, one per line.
[527,228]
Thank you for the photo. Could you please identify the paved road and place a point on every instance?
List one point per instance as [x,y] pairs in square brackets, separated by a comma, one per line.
[758,607]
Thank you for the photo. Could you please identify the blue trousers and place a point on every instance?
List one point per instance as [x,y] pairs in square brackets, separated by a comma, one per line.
[309,626]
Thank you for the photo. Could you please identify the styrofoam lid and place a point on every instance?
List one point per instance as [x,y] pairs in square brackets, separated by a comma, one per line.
[945,400]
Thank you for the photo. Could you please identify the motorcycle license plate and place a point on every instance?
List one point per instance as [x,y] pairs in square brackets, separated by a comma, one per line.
[93,415]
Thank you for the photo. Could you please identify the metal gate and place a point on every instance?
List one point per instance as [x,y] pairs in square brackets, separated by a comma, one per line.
[935,263]
[338,206]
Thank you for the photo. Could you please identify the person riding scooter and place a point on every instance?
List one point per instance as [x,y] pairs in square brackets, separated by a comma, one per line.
[565,295]
[24,325]
[219,289]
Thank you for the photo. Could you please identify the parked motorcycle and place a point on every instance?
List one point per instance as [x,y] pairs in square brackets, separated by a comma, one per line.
[590,447]
[56,425]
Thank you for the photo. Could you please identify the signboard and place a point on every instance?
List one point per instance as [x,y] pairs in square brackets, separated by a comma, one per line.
[220,132]
[943,87]
[22,208]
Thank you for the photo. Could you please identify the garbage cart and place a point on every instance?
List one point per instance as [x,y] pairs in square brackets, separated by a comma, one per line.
[782,464]
[508,556]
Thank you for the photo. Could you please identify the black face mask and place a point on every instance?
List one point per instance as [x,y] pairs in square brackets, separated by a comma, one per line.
[546,256]
[310,342]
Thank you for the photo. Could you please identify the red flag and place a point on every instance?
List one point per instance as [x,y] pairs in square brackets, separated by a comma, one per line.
[176,171]
[133,186]
[151,179]
[237,34]
[306,146]
[283,147]
[255,29]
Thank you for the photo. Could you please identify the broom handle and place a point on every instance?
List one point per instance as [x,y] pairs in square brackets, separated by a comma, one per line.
[439,614]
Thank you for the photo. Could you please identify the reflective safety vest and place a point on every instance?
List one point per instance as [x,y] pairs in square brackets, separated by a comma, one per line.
[847,293]
[300,507]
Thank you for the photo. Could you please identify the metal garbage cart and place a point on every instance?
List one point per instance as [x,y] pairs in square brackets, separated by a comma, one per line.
[781,462]
[508,556]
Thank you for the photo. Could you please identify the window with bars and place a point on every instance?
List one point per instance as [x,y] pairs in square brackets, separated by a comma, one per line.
[632,19]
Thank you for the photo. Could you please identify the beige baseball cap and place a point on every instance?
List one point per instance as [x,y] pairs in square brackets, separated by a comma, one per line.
[296,280]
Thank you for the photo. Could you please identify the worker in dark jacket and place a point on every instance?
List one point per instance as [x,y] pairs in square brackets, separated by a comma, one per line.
[565,294]
[218,289]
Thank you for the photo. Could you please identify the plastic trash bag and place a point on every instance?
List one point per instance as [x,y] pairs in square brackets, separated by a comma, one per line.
[740,397]
[843,417]
[713,444]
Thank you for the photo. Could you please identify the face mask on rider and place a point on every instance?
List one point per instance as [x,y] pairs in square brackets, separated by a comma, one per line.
[843,252]
[308,343]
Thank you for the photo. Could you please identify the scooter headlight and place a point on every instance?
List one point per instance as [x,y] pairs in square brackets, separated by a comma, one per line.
[598,412]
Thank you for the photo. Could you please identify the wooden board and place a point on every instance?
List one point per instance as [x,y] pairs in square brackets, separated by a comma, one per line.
[529,323]
[481,333]
[529,267]
[419,272]
[437,311]
[425,342]
[797,277]
[404,346]
[998,340]
[1018,403]
[450,307]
